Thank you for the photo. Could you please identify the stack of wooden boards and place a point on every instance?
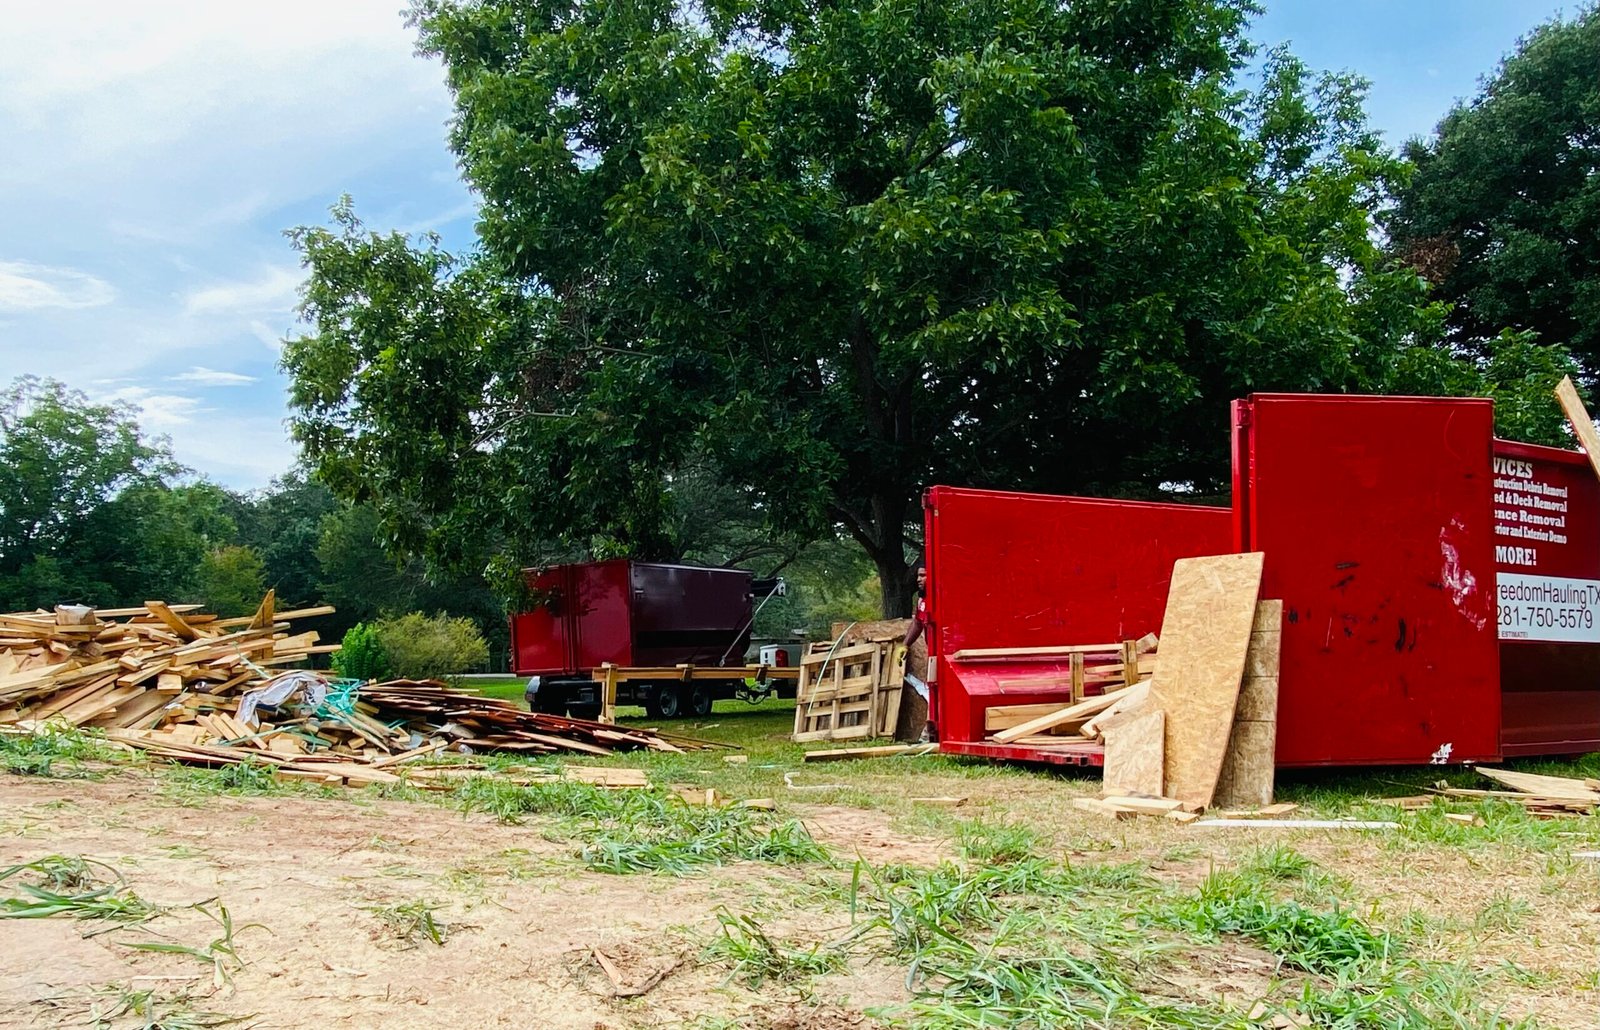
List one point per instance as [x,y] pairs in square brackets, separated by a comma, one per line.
[1545,797]
[136,667]
[850,691]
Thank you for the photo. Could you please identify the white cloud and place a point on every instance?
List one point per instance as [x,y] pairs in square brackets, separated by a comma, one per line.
[158,412]
[212,377]
[271,291]
[25,286]
[263,332]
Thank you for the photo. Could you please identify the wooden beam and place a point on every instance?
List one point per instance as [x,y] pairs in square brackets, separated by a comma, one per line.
[886,751]
[1582,424]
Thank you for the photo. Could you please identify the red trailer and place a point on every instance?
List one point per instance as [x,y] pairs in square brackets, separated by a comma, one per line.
[632,614]
[1439,586]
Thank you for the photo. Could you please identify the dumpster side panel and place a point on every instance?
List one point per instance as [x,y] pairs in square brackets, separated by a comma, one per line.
[1547,553]
[689,614]
[603,616]
[1375,517]
[541,644]
[1029,570]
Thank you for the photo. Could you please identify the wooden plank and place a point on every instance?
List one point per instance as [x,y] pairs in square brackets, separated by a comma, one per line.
[1144,805]
[1087,707]
[1095,806]
[1127,702]
[1250,765]
[172,620]
[1003,717]
[1582,424]
[1210,611]
[1542,786]
[978,654]
[1135,752]
[1077,678]
[883,751]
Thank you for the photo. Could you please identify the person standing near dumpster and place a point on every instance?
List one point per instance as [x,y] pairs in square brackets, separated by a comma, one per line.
[919,624]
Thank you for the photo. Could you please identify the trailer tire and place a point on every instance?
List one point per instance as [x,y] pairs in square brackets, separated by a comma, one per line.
[664,702]
[698,702]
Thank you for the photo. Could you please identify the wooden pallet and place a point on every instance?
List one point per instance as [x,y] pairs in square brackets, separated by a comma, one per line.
[852,694]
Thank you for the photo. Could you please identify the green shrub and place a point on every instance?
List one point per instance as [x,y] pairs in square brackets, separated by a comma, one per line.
[422,646]
[362,655]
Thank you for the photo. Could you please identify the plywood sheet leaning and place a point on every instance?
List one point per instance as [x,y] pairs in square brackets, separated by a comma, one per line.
[1135,751]
[1249,766]
[1205,635]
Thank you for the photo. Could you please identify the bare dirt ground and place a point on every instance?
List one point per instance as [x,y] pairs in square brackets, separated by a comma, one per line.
[298,874]
[302,876]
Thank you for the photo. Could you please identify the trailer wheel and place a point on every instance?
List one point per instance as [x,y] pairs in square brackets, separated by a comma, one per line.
[664,703]
[698,704]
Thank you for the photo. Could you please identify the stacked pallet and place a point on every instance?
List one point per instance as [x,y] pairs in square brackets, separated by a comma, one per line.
[850,693]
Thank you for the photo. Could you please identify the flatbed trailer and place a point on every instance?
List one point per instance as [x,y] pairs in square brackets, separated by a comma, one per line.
[1441,587]
[611,676]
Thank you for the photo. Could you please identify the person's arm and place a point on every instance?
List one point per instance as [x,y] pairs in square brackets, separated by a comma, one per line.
[914,632]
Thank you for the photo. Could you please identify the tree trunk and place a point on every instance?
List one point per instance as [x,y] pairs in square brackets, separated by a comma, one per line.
[899,587]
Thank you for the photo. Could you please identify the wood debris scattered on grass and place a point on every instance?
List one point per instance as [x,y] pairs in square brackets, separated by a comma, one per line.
[190,687]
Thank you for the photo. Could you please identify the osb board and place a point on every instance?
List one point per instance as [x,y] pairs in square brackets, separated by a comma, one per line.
[1205,634]
[1248,769]
[1247,773]
[1134,746]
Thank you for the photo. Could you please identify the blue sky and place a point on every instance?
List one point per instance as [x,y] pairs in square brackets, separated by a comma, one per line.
[153,154]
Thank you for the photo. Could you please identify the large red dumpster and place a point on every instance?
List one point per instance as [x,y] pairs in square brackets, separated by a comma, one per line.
[1441,587]
[1373,513]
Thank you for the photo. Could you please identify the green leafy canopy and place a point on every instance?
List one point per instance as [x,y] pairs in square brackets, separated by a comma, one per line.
[840,252]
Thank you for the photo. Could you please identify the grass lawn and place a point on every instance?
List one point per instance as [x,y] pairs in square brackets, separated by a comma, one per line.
[932,892]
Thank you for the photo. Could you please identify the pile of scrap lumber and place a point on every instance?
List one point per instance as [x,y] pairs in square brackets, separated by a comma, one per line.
[850,692]
[135,667]
[190,687]
[1545,797]
[1202,732]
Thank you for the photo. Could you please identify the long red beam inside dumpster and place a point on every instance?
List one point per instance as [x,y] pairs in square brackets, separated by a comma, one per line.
[1441,587]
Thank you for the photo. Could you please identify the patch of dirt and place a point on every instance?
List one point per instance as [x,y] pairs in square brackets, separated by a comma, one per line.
[860,832]
[298,875]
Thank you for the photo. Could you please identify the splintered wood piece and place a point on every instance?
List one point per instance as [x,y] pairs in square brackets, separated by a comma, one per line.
[263,616]
[1544,786]
[1211,609]
[1135,746]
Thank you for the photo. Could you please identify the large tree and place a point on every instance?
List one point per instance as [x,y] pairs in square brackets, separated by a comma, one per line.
[843,251]
[1503,212]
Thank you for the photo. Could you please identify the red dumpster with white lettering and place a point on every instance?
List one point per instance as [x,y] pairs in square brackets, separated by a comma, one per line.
[1440,586]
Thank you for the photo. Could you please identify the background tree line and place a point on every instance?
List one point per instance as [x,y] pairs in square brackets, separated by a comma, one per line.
[93,511]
